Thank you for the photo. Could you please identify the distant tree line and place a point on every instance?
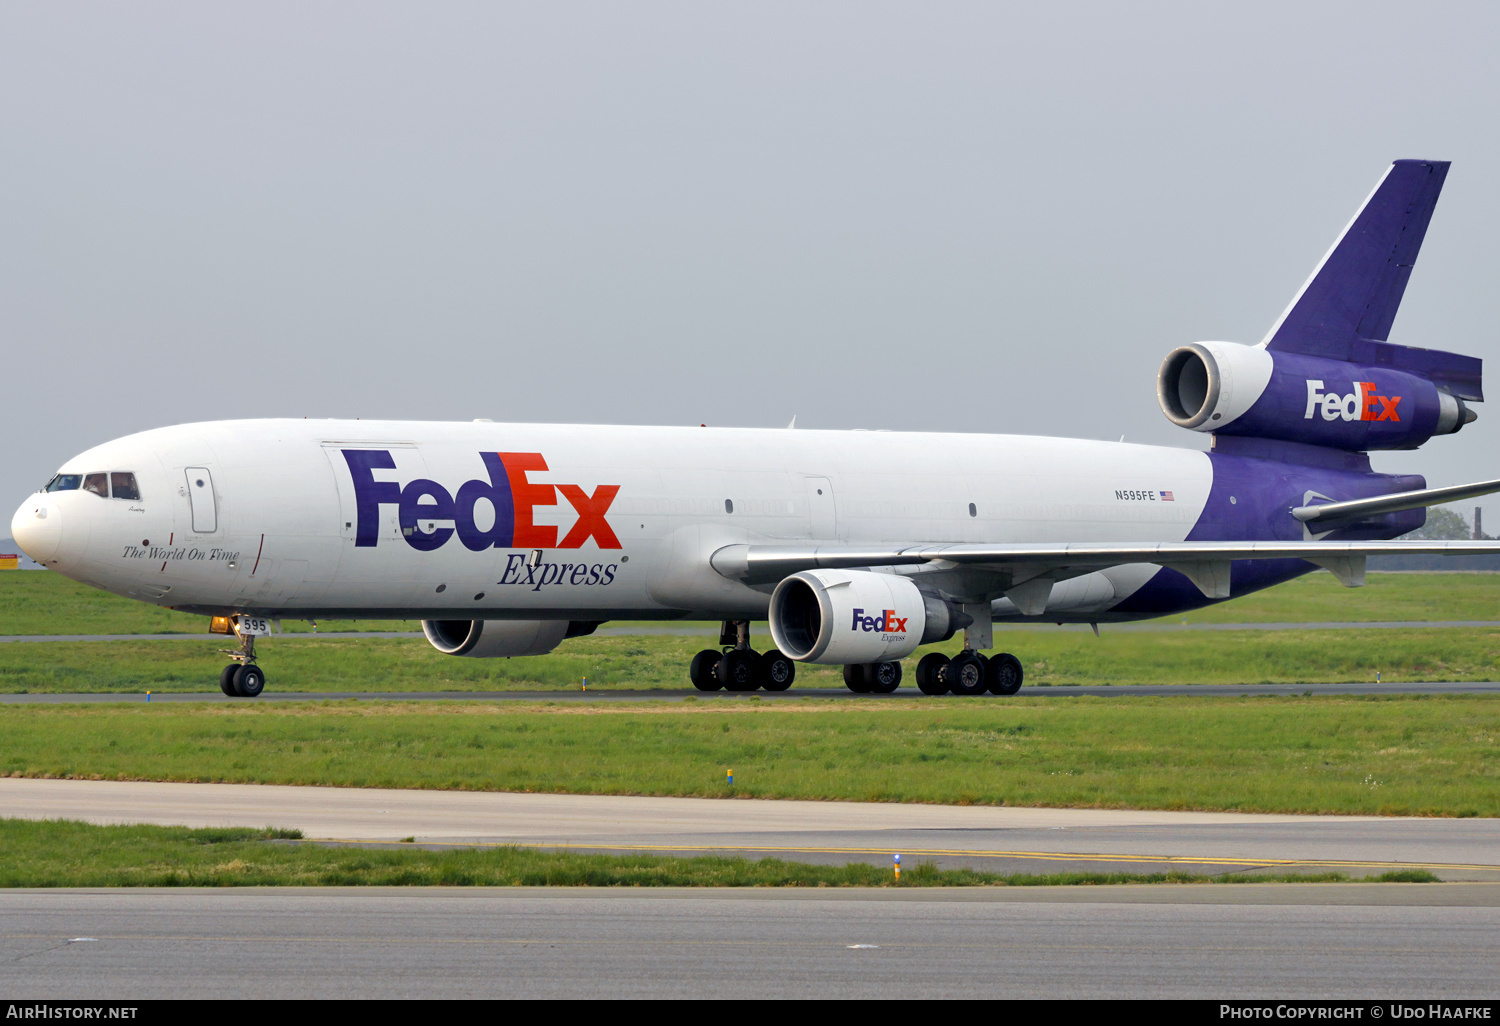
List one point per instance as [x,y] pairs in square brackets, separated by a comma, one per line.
[1443,524]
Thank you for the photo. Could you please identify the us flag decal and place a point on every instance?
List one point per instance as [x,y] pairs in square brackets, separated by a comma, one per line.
[1167,497]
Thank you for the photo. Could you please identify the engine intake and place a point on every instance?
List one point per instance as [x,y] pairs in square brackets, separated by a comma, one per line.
[855,616]
[1253,392]
[493,639]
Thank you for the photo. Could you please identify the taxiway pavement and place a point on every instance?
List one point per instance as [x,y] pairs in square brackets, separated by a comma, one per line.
[1218,941]
[997,839]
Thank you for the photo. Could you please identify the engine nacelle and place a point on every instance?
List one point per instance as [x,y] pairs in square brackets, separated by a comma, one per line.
[1232,389]
[855,616]
[492,639]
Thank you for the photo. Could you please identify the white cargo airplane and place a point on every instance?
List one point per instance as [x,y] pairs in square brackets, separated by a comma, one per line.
[506,539]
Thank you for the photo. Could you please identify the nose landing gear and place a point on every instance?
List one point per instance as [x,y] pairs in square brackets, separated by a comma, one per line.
[242,678]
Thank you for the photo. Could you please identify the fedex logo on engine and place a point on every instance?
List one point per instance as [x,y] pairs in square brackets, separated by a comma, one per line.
[886,623]
[1361,404]
[509,494]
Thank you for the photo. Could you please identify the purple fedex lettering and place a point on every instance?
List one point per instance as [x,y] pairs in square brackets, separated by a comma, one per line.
[423,499]
[886,623]
[499,495]
[413,510]
[370,494]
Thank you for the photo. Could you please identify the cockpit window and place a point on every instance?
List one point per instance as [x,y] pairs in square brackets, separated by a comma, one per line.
[123,486]
[97,483]
[65,483]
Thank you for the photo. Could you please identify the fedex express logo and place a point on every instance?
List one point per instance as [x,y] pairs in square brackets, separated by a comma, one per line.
[512,497]
[886,623]
[1361,404]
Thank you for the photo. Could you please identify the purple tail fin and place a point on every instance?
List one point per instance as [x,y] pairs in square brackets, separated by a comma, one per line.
[1345,310]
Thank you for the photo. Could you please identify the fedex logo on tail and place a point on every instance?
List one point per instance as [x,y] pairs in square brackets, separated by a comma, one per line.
[1361,404]
[886,623]
[510,495]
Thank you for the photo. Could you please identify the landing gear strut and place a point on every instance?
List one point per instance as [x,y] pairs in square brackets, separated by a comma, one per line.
[970,673]
[738,667]
[242,678]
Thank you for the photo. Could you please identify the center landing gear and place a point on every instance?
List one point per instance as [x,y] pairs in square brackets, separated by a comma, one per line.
[965,673]
[242,678]
[969,673]
[872,678]
[738,667]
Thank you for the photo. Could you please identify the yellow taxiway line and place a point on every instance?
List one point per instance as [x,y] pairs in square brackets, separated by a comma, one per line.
[1049,856]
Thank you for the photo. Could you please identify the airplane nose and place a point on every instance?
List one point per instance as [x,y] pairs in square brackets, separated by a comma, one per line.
[37,528]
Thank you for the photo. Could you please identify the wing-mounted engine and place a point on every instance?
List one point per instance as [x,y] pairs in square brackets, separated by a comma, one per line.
[1398,400]
[493,639]
[856,616]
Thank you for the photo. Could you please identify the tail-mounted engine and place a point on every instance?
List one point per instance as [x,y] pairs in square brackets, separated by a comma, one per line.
[1398,399]
[855,616]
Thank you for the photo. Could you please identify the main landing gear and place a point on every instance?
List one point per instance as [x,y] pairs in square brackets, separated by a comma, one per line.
[969,673]
[736,667]
[242,678]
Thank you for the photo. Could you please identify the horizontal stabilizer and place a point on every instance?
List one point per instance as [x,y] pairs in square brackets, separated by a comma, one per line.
[1393,503]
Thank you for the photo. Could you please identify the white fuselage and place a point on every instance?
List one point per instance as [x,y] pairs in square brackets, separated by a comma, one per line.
[276,526]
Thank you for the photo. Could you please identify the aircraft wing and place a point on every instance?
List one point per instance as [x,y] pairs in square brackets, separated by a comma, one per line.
[1205,563]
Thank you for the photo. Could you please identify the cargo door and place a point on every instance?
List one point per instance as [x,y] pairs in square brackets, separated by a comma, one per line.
[205,504]
[408,464]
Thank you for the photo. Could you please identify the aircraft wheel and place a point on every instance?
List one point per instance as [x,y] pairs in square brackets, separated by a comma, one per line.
[965,674]
[1003,674]
[930,674]
[249,681]
[737,669]
[704,671]
[883,678]
[776,671]
[226,680]
[854,678]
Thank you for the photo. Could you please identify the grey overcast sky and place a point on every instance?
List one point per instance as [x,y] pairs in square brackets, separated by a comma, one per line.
[938,216]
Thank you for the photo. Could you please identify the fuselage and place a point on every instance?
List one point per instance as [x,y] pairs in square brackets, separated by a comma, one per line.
[400,519]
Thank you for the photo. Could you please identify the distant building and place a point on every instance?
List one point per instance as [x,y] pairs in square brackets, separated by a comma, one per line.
[9,561]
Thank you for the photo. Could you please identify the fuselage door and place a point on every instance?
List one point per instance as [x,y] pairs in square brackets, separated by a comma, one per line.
[200,489]
[822,518]
[408,464]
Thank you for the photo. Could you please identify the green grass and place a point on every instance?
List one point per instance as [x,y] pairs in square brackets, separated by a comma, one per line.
[61,853]
[367,664]
[1050,656]
[1402,755]
[39,602]
[1319,598]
